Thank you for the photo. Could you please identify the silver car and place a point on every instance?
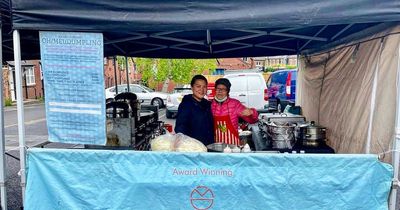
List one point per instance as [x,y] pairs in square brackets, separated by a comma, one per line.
[145,94]
[174,99]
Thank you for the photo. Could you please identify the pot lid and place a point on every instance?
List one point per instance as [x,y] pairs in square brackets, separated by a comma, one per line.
[244,133]
[313,126]
[302,124]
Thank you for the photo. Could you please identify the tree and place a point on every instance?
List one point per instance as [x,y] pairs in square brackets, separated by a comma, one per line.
[145,67]
[180,71]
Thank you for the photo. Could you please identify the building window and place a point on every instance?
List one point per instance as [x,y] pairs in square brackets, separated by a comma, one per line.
[30,76]
[245,59]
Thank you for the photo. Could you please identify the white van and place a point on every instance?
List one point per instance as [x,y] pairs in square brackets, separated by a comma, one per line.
[249,88]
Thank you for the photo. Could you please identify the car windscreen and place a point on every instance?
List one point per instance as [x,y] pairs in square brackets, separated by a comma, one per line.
[294,76]
[239,83]
[279,77]
[182,90]
[148,89]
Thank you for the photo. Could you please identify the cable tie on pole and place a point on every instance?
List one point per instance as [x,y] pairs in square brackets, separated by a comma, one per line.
[386,152]
[21,171]
[395,183]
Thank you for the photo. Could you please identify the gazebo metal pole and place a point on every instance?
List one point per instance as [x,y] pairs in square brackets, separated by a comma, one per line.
[115,75]
[2,137]
[373,97]
[127,72]
[396,143]
[20,109]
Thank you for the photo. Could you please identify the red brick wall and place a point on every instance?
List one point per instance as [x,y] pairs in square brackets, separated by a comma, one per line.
[109,77]
[34,91]
[235,63]
[6,84]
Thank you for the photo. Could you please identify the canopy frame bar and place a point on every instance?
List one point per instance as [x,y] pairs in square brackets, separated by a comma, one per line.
[396,144]
[3,187]
[341,31]
[208,42]
[316,34]
[20,109]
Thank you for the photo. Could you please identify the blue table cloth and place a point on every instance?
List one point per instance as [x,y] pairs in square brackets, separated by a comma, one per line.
[115,179]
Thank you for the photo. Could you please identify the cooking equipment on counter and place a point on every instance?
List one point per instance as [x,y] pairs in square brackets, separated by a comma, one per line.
[310,134]
[278,129]
[281,135]
[218,147]
[131,125]
[227,148]
[281,117]
[133,102]
[245,137]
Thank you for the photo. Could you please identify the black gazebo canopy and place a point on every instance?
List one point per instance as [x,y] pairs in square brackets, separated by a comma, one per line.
[200,29]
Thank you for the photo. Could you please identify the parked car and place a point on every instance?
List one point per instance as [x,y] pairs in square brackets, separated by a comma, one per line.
[145,94]
[249,88]
[174,99]
[282,85]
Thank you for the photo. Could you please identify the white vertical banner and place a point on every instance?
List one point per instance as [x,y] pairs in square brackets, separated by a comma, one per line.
[72,65]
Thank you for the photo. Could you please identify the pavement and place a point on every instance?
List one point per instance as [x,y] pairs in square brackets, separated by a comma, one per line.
[26,102]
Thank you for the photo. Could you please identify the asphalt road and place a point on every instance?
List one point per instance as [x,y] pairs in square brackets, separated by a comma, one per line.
[35,126]
[35,132]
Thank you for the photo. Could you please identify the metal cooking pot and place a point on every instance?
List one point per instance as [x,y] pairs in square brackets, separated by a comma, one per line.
[245,137]
[301,129]
[315,132]
[218,147]
[310,132]
[311,143]
[281,135]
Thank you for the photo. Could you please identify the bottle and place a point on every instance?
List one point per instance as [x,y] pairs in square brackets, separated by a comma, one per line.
[227,149]
[287,108]
[236,149]
[246,148]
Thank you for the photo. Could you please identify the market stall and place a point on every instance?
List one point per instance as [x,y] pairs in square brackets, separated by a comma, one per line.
[208,30]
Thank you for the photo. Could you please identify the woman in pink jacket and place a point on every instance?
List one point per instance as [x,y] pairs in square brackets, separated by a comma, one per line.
[226,112]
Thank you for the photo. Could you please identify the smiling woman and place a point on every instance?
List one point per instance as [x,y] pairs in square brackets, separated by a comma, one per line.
[194,113]
[226,113]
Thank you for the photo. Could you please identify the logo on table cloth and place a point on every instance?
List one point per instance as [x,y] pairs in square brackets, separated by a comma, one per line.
[202,198]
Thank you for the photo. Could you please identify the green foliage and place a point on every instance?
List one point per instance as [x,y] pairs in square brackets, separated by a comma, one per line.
[121,62]
[8,102]
[291,66]
[269,69]
[279,66]
[180,71]
[145,67]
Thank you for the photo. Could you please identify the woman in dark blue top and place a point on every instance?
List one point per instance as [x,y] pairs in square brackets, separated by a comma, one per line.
[194,117]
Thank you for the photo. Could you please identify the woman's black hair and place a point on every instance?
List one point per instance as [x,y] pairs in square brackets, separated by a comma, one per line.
[225,82]
[197,77]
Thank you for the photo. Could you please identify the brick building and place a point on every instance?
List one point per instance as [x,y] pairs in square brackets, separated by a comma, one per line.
[109,73]
[6,89]
[235,63]
[281,60]
[32,78]
[32,83]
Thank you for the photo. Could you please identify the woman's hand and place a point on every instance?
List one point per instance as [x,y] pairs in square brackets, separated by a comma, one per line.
[247,112]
